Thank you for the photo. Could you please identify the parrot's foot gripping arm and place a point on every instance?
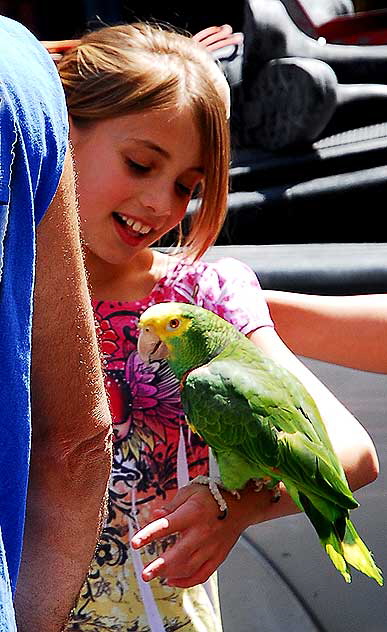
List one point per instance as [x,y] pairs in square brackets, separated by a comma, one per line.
[262,483]
[213,486]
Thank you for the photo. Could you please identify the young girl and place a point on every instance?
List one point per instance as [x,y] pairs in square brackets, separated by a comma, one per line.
[148,113]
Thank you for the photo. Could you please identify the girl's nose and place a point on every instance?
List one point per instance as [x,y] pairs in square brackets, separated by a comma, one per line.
[158,201]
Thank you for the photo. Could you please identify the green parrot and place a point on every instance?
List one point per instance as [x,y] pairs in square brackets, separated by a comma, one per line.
[259,420]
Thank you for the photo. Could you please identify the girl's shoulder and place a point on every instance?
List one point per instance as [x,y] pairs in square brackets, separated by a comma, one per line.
[227,287]
[220,272]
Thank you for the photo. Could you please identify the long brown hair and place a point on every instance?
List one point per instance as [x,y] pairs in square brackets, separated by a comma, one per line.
[130,68]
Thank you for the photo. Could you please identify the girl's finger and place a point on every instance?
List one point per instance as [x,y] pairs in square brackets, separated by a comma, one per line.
[176,522]
[222,33]
[181,561]
[154,569]
[199,577]
[177,501]
[182,498]
[154,530]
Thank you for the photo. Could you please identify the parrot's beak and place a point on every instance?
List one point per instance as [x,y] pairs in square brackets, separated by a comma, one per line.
[150,347]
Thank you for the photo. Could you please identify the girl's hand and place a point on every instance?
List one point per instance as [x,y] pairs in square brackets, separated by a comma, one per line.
[204,541]
[215,37]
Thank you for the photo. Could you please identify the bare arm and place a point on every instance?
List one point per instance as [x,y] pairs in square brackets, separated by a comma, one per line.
[70,461]
[347,330]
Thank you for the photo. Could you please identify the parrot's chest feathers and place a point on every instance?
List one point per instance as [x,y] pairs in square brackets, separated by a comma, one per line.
[184,379]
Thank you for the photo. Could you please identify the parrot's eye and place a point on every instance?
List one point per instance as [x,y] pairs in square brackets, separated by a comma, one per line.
[173,324]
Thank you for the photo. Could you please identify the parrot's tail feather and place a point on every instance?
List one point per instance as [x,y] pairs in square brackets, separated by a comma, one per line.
[332,546]
[351,550]
[342,543]
[357,554]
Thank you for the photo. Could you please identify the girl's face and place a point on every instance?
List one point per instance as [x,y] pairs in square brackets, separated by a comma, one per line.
[136,175]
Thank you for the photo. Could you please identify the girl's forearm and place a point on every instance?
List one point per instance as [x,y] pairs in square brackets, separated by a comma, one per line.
[346,330]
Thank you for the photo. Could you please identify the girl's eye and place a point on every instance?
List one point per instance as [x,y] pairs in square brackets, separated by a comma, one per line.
[197,190]
[192,191]
[137,166]
[173,324]
[183,189]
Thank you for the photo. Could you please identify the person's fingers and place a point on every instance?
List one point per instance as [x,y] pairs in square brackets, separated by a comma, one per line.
[216,37]
[177,501]
[233,40]
[222,33]
[155,569]
[183,560]
[195,497]
[179,520]
[56,57]
[59,46]
[199,577]
[191,553]
[152,531]
[205,33]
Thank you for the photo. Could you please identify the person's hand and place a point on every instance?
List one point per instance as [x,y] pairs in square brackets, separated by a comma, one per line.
[57,48]
[203,541]
[215,37]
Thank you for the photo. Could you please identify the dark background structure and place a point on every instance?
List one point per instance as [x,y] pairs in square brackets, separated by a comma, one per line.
[50,20]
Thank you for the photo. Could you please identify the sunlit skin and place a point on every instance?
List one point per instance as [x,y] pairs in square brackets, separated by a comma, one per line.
[141,168]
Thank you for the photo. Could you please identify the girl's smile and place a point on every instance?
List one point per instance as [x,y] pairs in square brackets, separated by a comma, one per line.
[134,224]
[130,230]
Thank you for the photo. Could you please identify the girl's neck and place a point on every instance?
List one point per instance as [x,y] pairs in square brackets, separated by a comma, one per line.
[130,282]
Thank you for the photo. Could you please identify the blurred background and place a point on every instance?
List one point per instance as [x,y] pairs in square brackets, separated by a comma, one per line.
[46,20]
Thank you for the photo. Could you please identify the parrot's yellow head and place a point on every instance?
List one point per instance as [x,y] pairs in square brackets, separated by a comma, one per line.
[158,325]
[187,336]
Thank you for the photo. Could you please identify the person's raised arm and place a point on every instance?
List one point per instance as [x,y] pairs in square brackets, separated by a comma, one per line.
[71,430]
[346,330]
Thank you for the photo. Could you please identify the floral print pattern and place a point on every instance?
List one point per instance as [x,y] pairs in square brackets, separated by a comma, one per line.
[149,427]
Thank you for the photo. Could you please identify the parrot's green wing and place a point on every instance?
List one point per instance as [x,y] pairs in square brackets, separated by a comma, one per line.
[244,405]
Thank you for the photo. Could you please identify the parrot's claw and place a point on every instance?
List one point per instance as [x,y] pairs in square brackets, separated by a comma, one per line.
[259,484]
[213,485]
[276,493]
[262,483]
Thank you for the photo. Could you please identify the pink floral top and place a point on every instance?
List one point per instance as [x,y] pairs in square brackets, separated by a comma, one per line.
[155,452]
